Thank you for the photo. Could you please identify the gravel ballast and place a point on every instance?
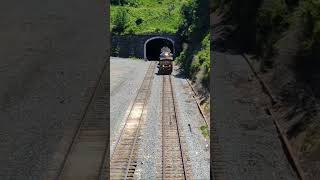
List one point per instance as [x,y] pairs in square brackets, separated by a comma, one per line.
[150,149]
[126,76]
[188,114]
[197,147]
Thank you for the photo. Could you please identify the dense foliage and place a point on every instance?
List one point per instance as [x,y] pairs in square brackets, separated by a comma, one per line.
[267,20]
[195,57]
[201,63]
[125,2]
[274,21]
[310,12]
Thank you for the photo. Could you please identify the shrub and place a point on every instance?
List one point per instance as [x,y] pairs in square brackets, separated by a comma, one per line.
[201,62]
[121,21]
[271,23]
[139,21]
[115,51]
[195,66]
[181,57]
[310,12]
[133,3]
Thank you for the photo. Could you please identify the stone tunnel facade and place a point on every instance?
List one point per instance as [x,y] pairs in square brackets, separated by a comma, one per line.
[135,45]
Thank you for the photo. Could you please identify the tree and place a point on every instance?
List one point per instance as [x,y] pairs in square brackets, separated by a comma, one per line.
[120,21]
[124,2]
[115,2]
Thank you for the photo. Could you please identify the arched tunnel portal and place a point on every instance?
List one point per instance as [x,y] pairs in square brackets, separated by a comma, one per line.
[152,47]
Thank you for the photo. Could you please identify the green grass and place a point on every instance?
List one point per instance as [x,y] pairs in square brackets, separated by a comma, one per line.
[205,131]
[154,15]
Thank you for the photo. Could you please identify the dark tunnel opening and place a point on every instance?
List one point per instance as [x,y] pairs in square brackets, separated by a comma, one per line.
[153,48]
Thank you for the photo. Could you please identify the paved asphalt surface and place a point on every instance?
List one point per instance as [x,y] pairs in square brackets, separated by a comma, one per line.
[50,53]
[246,144]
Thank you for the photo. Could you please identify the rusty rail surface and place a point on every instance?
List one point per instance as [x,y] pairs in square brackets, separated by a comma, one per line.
[173,157]
[195,96]
[123,160]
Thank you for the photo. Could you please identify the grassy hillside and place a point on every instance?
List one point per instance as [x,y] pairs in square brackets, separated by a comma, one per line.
[149,16]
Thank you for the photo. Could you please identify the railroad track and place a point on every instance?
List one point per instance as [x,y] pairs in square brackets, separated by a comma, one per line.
[219,166]
[84,158]
[123,160]
[293,160]
[173,156]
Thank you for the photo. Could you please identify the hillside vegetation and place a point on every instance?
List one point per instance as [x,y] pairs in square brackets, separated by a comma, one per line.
[195,57]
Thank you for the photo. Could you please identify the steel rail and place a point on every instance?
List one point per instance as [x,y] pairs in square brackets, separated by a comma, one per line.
[147,79]
[80,124]
[290,153]
[183,161]
[137,132]
[195,96]
[121,133]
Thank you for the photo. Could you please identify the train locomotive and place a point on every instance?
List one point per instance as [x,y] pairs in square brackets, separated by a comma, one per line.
[165,65]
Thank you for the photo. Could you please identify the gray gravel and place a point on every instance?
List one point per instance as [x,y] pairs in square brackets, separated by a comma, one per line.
[188,113]
[150,149]
[149,162]
[126,76]
[246,143]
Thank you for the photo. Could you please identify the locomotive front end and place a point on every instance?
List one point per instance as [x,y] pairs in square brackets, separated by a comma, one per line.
[165,63]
